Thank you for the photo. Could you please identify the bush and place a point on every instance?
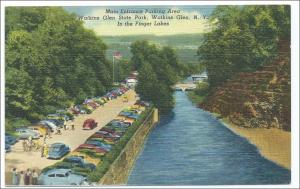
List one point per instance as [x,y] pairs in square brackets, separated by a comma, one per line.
[202,88]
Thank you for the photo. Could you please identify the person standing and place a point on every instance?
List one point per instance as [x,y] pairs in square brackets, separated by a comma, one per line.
[65,127]
[73,127]
[22,179]
[15,179]
[28,144]
[27,177]
[24,146]
[45,152]
[34,177]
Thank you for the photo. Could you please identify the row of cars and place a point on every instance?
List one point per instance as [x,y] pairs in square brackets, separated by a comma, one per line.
[57,120]
[84,159]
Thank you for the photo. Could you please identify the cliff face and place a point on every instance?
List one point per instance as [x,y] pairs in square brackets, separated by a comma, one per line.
[258,99]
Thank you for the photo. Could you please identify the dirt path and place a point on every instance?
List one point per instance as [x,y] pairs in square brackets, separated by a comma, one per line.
[23,160]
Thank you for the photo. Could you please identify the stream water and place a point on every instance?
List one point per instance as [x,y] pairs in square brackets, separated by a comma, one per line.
[191,147]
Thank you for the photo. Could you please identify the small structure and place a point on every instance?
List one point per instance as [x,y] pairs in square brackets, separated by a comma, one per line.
[200,77]
[131,82]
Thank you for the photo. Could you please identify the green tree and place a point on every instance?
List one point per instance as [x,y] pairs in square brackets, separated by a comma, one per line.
[242,39]
[52,61]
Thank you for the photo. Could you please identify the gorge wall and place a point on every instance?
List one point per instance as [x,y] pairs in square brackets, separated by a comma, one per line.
[257,99]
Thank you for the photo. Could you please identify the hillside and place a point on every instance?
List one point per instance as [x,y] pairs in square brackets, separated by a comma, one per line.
[258,99]
[186,45]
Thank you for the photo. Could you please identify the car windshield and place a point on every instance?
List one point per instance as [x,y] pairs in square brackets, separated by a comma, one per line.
[60,175]
[55,148]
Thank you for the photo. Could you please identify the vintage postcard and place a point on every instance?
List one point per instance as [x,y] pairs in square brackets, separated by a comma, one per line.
[149,94]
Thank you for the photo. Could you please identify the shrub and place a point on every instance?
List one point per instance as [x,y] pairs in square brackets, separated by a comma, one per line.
[202,88]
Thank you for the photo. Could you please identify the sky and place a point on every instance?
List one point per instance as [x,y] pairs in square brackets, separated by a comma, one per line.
[176,26]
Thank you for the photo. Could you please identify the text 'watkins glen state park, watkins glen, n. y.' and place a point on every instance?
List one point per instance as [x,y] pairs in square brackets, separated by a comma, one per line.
[142,17]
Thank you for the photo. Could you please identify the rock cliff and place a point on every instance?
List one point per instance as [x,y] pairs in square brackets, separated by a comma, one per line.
[257,99]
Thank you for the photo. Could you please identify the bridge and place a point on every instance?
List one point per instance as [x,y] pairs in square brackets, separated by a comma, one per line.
[184,86]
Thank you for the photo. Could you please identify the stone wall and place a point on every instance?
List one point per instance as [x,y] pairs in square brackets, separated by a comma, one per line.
[120,169]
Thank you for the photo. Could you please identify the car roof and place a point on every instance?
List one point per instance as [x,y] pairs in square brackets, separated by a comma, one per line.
[23,129]
[58,171]
[57,144]
[74,157]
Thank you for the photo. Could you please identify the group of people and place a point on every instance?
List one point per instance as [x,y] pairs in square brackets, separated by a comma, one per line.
[66,127]
[28,145]
[22,178]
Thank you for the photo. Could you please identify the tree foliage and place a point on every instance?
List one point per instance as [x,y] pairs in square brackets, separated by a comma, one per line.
[242,39]
[51,61]
[159,69]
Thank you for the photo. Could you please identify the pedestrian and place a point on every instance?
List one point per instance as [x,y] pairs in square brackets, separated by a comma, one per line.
[42,150]
[28,144]
[15,177]
[22,179]
[73,127]
[49,133]
[65,127]
[58,131]
[24,146]
[45,153]
[27,177]
[34,177]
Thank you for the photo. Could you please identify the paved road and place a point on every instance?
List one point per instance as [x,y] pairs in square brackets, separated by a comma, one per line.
[23,160]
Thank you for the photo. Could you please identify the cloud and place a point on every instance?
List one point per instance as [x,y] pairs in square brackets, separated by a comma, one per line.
[175,25]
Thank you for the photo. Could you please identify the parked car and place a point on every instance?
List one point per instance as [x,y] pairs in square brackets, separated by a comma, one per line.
[108,134]
[80,109]
[49,124]
[91,146]
[100,144]
[129,114]
[119,123]
[116,128]
[125,119]
[60,177]
[9,139]
[86,108]
[112,130]
[74,111]
[108,140]
[78,161]
[25,133]
[58,117]
[40,128]
[89,124]
[91,149]
[58,150]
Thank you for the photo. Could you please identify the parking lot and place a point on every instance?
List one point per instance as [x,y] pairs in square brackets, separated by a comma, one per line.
[22,160]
